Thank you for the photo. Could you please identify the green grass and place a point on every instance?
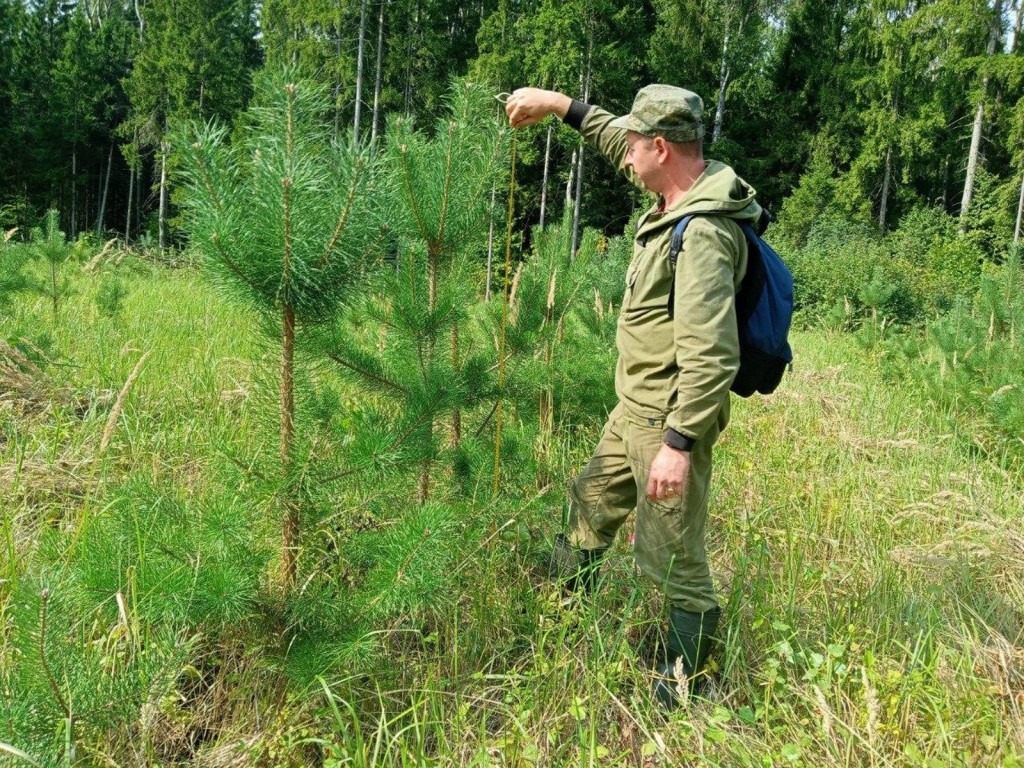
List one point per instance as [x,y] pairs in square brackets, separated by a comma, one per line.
[868,562]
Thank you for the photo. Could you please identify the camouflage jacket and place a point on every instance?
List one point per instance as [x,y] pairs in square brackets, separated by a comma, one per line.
[677,371]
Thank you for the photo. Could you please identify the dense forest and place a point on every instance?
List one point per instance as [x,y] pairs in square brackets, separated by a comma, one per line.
[301,345]
[869,109]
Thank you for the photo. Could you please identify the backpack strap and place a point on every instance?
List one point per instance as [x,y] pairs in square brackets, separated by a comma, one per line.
[752,283]
[673,258]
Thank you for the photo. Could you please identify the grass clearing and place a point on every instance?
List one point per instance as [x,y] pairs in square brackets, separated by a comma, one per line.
[867,557]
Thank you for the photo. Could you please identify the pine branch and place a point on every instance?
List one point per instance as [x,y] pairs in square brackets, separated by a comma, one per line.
[343,219]
[368,374]
[446,190]
[403,155]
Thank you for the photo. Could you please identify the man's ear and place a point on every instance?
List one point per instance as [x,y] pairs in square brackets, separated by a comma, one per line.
[662,147]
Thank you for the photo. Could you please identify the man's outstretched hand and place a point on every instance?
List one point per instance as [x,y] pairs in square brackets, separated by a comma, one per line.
[528,106]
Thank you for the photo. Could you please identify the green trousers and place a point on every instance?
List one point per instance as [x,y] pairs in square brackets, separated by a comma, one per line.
[669,540]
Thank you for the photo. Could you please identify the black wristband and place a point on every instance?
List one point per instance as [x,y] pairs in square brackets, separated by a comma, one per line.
[678,440]
[575,115]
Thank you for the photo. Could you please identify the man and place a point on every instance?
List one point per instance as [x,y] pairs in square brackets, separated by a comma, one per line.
[674,369]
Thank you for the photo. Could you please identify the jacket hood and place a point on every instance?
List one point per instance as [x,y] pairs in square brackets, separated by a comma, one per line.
[720,190]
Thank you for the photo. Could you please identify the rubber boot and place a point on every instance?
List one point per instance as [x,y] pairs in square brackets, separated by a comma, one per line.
[574,568]
[689,643]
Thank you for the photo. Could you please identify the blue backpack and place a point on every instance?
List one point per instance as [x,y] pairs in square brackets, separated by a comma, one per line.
[764,312]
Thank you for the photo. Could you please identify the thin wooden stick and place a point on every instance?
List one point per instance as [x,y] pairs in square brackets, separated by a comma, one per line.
[504,317]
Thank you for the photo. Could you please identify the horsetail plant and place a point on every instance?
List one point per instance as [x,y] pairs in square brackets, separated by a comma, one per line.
[285,221]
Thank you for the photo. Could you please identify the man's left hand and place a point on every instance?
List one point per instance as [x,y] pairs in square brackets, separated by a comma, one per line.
[670,473]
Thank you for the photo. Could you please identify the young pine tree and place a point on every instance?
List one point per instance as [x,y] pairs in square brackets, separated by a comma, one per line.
[424,356]
[285,221]
[12,262]
[52,249]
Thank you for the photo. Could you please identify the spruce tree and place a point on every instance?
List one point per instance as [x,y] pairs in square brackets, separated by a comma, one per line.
[285,221]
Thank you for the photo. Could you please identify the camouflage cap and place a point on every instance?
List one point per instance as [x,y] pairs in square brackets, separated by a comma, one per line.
[664,110]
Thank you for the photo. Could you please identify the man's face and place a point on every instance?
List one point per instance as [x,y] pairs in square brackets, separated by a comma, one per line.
[643,157]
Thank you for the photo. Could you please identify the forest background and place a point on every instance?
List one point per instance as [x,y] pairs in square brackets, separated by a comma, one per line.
[287,501]
[868,109]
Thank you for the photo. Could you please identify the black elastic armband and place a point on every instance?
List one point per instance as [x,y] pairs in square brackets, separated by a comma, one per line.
[678,440]
[575,115]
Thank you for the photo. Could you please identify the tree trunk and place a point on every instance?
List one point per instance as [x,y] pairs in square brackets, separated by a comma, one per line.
[546,409]
[379,76]
[290,529]
[128,217]
[457,413]
[972,161]
[424,486]
[410,37]
[579,168]
[103,198]
[1017,27]
[945,184]
[570,185]
[162,216]
[337,75]
[886,183]
[74,192]
[979,115]
[138,197]
[360,56]
[544,180]
[723,81]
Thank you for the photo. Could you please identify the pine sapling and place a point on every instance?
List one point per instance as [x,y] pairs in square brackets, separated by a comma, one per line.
[440,189]
[49,245]
[286,221]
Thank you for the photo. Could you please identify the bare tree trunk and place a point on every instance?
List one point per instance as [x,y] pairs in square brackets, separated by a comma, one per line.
[360,55]
[128,217]
[410,36]
[544,180]
[1020,213]
[138,197]
[945,184]
[1017,27]
[106,188]
[886,183]
[162,216]
[723,81]
[972,160]
[546,407]
[337,75]
[979,115]
[579,168]
[570,185]
[379,77]
[73,229]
